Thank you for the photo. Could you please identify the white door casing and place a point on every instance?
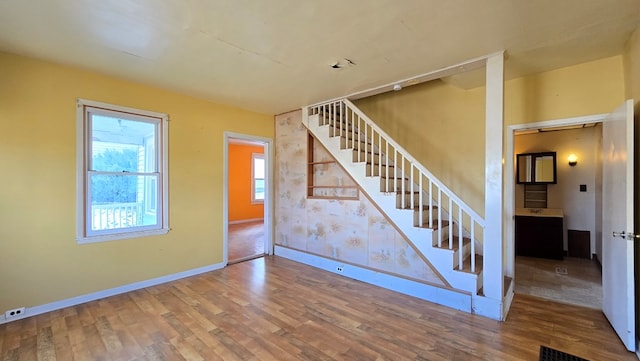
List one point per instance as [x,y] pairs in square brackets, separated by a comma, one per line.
[618,301]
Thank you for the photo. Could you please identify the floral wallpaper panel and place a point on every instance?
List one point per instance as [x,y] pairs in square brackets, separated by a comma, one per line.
[352,231]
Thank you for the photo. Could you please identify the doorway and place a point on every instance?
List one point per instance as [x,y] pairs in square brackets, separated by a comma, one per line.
[576,195]
[247,197]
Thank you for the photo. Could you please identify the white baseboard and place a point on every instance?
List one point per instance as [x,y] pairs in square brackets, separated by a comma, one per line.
[443,296]
[508,300]
[56,305]
[240,221]
[488,307]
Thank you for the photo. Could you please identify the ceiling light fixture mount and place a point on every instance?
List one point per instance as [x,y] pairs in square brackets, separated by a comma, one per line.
[342,63]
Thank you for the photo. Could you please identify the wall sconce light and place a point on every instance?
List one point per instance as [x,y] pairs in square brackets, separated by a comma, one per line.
[573,159]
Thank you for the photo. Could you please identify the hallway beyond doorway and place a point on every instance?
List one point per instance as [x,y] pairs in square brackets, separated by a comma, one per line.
[246,241]
[546,278]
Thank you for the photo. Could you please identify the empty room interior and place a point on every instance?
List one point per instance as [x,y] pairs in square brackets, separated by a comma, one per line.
[223,180]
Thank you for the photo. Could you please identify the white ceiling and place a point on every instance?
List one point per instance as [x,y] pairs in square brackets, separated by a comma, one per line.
[274,56]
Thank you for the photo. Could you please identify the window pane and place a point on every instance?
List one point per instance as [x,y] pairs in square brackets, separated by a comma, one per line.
[121,201]
[258,167]
[259,189]
[122,145]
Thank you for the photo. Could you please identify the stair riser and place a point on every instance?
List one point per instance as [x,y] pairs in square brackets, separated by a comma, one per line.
[410,200]
[335,130]
[377,172]
[393,184]
[425,217]
[369,155]
[371,159]
[443,234]
[350,144]
[466,251]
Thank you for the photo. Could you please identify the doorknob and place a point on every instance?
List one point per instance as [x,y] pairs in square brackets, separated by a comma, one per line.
[626,235]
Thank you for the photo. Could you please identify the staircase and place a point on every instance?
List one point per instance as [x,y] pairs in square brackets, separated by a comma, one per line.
[430,216]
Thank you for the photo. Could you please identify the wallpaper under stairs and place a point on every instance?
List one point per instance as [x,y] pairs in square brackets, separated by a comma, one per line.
[352,231]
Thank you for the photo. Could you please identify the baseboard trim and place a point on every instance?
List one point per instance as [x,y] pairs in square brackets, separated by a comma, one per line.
[594,256]
[240,221]
[507,301]
[443,296]
[73,301]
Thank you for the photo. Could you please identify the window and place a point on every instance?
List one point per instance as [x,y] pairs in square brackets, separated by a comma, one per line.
[257,178]
[122,172]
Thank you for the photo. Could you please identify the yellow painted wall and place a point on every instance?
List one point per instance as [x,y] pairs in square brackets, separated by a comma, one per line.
[240,206]
[632,68]
[584,89]
[442,126]
[40,260]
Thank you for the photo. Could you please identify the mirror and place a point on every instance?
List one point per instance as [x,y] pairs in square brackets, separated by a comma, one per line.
[536,168]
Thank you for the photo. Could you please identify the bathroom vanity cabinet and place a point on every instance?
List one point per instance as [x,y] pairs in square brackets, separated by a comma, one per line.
[539,232]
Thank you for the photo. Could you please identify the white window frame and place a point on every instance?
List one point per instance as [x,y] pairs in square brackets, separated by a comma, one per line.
[83,133]
[255,156]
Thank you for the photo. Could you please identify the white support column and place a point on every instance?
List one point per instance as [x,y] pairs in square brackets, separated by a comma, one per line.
[493,238]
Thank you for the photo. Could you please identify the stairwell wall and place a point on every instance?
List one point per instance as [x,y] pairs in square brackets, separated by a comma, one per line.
[442,125]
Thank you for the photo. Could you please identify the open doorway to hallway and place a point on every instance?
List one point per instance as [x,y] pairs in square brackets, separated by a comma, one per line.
[569,208]
[247,198]
[572,280]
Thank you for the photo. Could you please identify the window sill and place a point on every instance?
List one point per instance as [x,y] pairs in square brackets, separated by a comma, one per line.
[119,236]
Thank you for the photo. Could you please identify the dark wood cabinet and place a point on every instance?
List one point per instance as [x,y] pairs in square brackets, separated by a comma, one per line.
[539,236]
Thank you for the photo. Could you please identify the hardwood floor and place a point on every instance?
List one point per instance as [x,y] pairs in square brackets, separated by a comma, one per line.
[274,309]
[246,241]
[581,284]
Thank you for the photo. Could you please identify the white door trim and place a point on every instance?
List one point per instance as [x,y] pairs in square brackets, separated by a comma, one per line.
[510,178]
[268,196]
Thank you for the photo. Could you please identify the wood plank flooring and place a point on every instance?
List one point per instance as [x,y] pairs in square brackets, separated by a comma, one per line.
[246,241]
[274,309]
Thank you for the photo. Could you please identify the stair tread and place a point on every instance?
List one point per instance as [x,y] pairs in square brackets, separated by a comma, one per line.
[396,177]
[362,141]
[455,244]
[435,225]
[466,265]
[331,110]
[383,166]
[424,208]
[376,153]
[341,125]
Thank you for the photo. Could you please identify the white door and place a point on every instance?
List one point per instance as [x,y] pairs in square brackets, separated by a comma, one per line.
[618,302]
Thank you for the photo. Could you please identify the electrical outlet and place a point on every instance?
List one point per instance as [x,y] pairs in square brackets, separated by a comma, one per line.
[339,269]
[16,312]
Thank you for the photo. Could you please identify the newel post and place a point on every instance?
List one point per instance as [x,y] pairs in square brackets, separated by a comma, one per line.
[493,235]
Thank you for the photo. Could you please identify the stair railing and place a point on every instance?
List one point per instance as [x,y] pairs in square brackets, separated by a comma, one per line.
[402,173]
